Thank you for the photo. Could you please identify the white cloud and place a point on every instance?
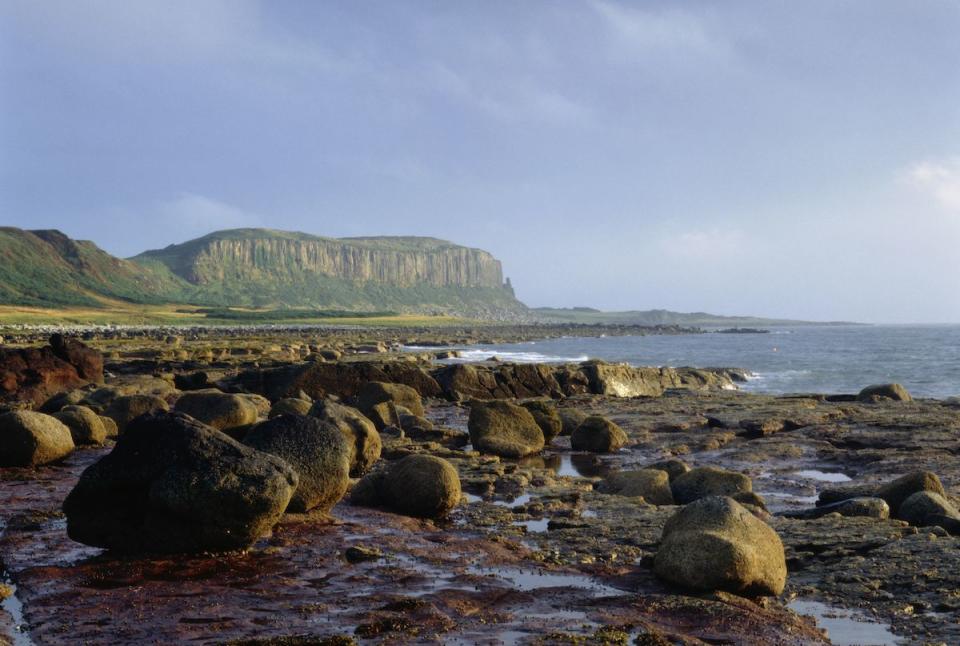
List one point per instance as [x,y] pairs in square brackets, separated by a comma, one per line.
[192,215]
[938,179]
[640,31]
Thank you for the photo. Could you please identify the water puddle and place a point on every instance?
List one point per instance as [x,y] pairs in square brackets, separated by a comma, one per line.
[527,580]
[822,476]
[846,627]
[18,634]
[471,498]
[533,526]
[516,502]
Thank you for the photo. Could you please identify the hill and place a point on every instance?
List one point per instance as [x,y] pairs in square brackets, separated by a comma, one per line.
[659,317]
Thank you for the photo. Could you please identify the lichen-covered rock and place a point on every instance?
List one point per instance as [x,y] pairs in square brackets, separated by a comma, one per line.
[709,481]
[417,485]
[220,410]
[716,544]
[852,507]
[290,406]
[652,485]
[896,392]
[85,426]
[126,408]
[570,419]
[361,435]
[30,439]
[597,434]
[173,484]
[109,427]
[546,417]
[504,429]
[316,450]
[924,508]
[378,392]
[894,492]
[673,467]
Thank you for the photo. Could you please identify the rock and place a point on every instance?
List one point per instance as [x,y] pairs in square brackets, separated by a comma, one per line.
[598,435]
[674,468]
[652,485]
[424,486]
[866,507]
[316,450]
[172,484]
[68,398]
[290,406]
[217,409]
[546,417]
[504,429]
[110,427]
[709,481]
[896,392]
[378,392]
[920,508]
[359,554]
[894,492]
[385,414]
[85,426]
[570,419]
[126,408]
[716,544]
[361,435]
[199,380]
[36,374]
[261,403]
[30,439]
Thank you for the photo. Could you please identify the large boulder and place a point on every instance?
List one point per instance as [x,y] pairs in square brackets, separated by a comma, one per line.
[673,467]
[85,426]
[220,410]
[597,434]
[896,392]
[417,485]
[126,408]
[894,492]
[36,374]
[290,406]
[651,484]
[546,417]
[30,439]
[716,544]
[378,392]
[361,435]
[709,481]
[925,508]
[504,429]
[316,450]
[173,484]
[570,419]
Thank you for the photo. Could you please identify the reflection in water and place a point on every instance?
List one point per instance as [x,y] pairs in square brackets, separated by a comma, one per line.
[845,627]
[585,465]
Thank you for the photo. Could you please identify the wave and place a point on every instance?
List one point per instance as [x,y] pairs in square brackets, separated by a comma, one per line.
[473,355]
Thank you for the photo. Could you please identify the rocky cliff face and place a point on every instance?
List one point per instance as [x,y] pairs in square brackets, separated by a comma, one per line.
[400,262]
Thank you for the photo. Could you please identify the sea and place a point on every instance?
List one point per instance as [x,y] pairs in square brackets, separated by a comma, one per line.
[804,359]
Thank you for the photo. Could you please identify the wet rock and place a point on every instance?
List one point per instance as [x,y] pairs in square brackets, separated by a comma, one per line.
[504,429]
[377,392]
[570,419]
[126,408]
[896,392]
[866,507]
[85,426]
[361,435]
[716,544]
[220,410]
[31,439]
[316,450]
[546,417]
[709,481]
[290,406]
[894,492]
[173,484]
[424,486]
[651,484]
[597,434]
[36,374]
[674,468]
[360,554]
[920,509]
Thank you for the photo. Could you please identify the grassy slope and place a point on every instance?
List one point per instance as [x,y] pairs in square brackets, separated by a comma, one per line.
[657,317]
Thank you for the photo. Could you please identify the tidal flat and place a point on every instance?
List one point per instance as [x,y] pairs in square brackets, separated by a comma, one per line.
[540,549]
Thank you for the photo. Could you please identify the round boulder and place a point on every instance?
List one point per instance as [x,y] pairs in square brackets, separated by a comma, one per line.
[709,481]
[124,409]
[597,434]
[651,484]
[674,468]
[290,406]
[546,417]
[220,410]
[716,544]
[378,392]
[570,419]
[85,426]
[361,435]
[316,450]
[922,508]
[504,429]
[30,439]
[896,392]
[110,427]
[424,486]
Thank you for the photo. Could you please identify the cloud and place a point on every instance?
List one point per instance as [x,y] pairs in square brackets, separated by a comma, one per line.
[938,179]
[705,244]
[191,215]
[640,32]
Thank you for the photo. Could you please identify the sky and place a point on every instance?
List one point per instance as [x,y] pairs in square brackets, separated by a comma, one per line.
[760,157]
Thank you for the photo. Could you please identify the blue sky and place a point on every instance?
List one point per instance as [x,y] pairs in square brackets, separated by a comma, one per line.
[774,158]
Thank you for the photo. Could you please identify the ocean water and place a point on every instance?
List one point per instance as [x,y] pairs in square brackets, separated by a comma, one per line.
[824,359]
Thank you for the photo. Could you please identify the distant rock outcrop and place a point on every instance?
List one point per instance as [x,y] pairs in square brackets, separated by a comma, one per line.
[36,374]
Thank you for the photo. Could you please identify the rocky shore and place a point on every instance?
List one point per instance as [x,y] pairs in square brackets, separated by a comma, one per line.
[305,486]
